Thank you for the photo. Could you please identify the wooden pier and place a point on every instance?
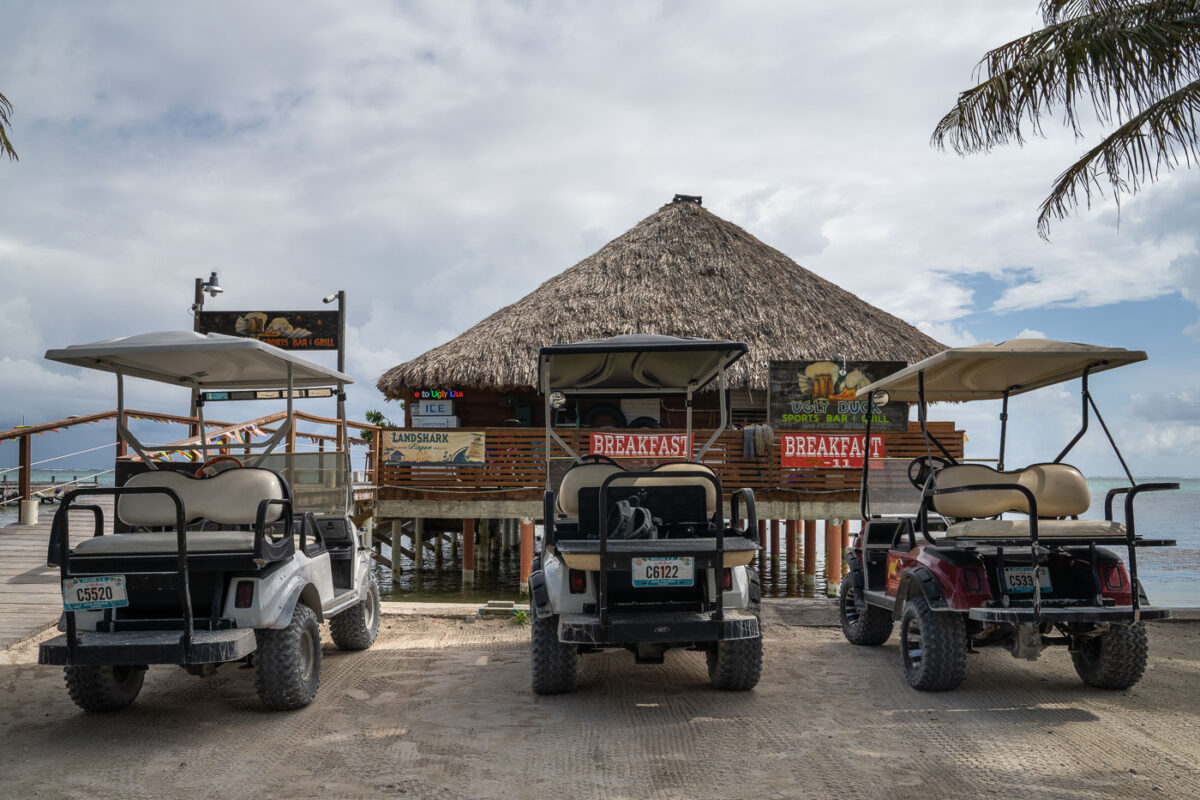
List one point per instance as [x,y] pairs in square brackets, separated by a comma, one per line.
[30,593]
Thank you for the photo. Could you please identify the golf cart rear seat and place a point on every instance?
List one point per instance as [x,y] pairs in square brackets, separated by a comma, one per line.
[583,478]
[234,498]
[1059,490]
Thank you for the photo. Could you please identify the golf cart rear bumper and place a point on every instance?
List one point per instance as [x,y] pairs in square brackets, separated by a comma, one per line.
[657,628]
[1119,614]
[148,647]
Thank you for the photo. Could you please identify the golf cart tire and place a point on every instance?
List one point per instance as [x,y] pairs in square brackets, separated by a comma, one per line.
[287,664]
[356,627]
[98,689]
[1115,659]
[735,665]
[942,663]
[869,627]
[554,666]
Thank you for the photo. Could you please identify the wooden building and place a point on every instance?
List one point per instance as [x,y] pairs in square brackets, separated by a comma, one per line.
[682,271]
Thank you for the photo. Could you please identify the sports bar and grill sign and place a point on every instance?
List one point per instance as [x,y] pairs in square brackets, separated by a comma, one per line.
[290,330]
[826,450]
[820,396]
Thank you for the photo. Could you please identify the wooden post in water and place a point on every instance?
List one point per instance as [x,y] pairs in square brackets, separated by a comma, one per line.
[810,552]
[775,541]
[397,532]
[526,554]
[418,543]
[833,557]
[468,550]
[762,542]
[439,540]
[792,540]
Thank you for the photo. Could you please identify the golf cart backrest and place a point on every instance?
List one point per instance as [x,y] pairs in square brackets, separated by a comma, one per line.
[231,497]
[1059,489]
[588,477]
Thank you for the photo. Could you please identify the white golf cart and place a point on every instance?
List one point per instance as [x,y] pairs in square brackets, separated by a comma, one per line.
[643,559]
[238,558]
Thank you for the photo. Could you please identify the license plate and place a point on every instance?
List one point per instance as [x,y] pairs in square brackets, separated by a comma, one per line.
[1019,580]
[89,594]
[663,571]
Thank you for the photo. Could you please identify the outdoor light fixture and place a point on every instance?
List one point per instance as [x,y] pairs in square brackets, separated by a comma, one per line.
[329,298]
[212,286]
[557,399]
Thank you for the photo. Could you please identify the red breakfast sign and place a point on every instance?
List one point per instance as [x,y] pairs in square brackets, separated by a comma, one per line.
[834,450]
[641,445]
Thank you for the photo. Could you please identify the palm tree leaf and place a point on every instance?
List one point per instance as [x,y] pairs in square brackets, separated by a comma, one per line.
[1159,138]
[1124,56]
[6,146]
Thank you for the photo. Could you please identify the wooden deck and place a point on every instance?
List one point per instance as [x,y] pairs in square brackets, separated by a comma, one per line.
[30,595]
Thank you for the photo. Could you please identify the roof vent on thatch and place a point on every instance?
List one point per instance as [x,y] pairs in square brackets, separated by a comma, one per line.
[689,198]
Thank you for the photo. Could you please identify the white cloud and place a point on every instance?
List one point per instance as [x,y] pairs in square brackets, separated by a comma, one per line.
[1030,333]
[439,161]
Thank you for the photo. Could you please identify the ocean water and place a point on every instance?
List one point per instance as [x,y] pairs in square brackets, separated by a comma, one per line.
[1171,575]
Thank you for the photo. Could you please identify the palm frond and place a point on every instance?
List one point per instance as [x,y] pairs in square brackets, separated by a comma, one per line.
[1055,11]
[6,146]
[1160,137]
[1124,56]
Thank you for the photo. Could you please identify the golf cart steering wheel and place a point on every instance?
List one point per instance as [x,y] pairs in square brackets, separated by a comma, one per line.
[921,467]
[599,458]
[201,470]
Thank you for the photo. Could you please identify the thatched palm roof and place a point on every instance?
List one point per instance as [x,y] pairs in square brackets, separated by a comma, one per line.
[682,271]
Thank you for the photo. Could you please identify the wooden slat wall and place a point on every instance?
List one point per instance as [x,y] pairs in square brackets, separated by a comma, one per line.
[516,465]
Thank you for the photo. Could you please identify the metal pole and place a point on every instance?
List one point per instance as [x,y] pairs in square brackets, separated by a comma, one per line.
[197,307]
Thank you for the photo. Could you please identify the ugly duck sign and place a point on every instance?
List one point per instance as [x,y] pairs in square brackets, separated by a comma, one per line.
[820,396]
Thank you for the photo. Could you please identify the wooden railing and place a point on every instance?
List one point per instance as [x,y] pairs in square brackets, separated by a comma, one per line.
[515,465]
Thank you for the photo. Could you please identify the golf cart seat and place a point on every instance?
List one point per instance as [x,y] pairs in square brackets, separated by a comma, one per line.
[584,478]
[231,499]
[1059,490]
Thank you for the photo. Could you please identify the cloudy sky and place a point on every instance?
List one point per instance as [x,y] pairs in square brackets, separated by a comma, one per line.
[440,160]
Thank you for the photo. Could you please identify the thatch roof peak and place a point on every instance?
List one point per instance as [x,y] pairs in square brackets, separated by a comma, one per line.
[682,271]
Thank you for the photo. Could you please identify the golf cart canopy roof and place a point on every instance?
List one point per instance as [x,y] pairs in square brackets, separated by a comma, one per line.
[193,359]
[986,371]
[639,362]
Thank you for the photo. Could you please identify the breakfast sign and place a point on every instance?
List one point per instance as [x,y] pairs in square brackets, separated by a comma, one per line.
[641,445]
[290,330]
[820,396]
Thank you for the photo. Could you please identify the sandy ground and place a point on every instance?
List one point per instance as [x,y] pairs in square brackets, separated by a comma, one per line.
[442,708]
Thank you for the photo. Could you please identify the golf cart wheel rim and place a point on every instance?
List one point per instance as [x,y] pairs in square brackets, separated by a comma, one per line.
[850,608]
[307,656]
[370,603]
[912,645]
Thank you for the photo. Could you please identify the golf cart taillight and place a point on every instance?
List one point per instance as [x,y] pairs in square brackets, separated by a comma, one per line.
[727,582]
[578,580]
[1114,576]
[972,579]
[244,594]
